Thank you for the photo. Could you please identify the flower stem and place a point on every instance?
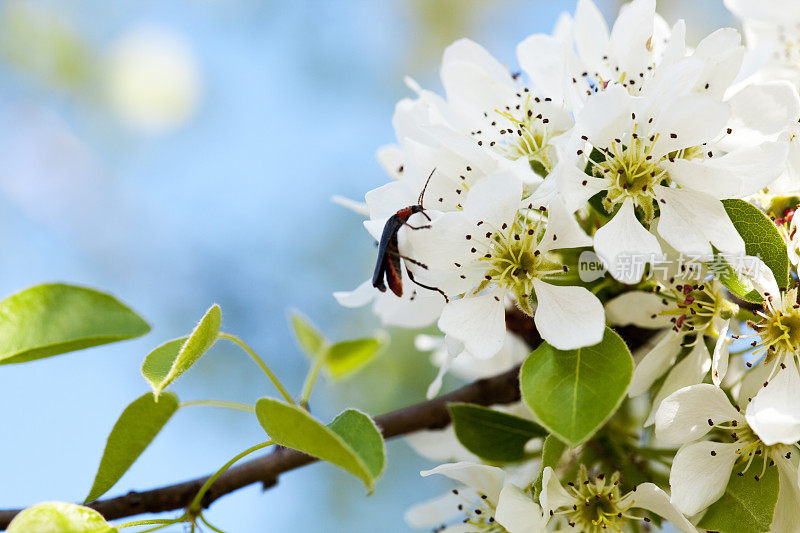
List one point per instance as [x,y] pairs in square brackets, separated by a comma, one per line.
[194,507]
[209,525]
[260,362]
[221,403]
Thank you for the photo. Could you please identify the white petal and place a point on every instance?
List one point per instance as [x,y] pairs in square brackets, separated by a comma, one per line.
[723,57]
[697,479]
[563,231]
[433,513]
[787,511]
[444,243]
[692,119]
[436,384]
[387,199]
[651,497]
[362,295]
[590,34]
[553,495]
[574,185]
[734,175]
[360,208]
[764,108]
[625,246]
[494,199]
[605,115]
[440,445]
[752,383]
[655,363]
[542,58]
[638,308]
[689,371]
[390,158]
[485,479]
[477,321]
[559,308]
[681,209]
[684,415]
[467,51]
[719,361]
[774,413]
[518,513]
[630,36]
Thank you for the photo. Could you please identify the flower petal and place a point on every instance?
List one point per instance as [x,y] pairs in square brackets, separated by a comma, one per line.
[734,175]
[719,361]
[477,321]
[649,496]
[681,209]
[434,512]
[563,231]
[553,495]
[638,308]
[683,415]
[518,513]
[690,371]
[560,308]
[494,199]
[774,413]
[485,479]
[361,296]
[689,120]
[625,246]
[697,478]
[655,363]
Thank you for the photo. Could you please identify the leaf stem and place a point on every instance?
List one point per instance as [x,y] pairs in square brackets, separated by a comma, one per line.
[158,521]
[209,525]
[238,406]
[311,378]
[260,362]
[195,505]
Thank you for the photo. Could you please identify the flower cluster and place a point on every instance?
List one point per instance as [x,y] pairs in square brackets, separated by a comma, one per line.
[632,143]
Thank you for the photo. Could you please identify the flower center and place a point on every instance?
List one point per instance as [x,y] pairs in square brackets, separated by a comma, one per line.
[632,171]
[523,129]
[509,257]
[779,328]
[697,306]
[597,508]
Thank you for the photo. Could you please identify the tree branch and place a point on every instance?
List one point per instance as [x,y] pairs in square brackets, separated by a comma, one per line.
[500,389]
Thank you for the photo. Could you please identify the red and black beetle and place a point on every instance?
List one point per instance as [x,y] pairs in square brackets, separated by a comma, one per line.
[389,265]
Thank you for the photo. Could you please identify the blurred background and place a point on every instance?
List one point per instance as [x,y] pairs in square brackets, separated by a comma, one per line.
[179,153]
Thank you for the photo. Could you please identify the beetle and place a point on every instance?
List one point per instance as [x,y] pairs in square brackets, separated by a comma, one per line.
[388,269]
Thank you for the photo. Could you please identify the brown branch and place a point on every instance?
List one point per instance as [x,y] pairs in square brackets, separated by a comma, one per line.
[500,389]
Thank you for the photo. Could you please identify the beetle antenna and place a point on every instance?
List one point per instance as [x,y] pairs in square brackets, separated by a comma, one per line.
[422,194]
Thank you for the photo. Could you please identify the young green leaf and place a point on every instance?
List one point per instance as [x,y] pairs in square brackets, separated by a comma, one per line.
[552,450]
[347,357]
[135,429]
[166,363]
[60,517]
[310,339]
[738,285]
[490,434]
[747,505]
[573,392]
[761,237]
[351,442]
[54,318]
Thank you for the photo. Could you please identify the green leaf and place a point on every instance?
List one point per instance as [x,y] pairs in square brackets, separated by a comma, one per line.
[346,357]
[573,392]
[135,429]
[59,517]
[311,341]
[54,318]
[738,285]
[761,237]
[490,434]
[552,450]
[166,363]
[351,442]
[747,505]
